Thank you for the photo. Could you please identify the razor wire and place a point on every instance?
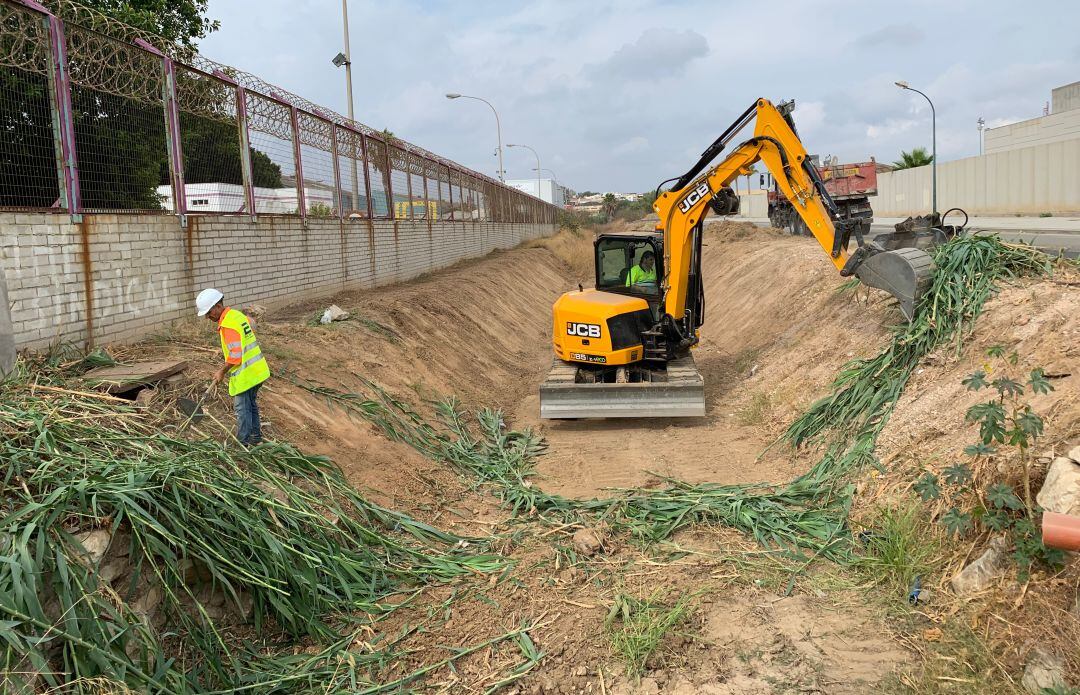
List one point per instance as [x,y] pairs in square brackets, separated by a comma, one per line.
[136,111]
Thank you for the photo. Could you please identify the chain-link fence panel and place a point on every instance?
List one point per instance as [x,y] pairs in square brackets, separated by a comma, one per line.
[317,165]
[399,183]
[28,173]
[418,203]
[273,161]
[351,174]
[211,144]
[379,177]
[118,114]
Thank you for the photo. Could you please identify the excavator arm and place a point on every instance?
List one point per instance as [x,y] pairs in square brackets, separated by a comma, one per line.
[903,273]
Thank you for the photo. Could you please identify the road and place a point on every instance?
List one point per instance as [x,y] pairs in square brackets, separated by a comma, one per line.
[1051,234]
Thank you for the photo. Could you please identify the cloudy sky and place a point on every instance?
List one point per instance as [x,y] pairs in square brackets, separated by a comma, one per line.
[620,95]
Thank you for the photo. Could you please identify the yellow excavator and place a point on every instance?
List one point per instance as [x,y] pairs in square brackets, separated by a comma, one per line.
[622,349]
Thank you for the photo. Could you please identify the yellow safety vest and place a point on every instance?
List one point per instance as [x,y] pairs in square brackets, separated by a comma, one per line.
[638,274]
[253,368]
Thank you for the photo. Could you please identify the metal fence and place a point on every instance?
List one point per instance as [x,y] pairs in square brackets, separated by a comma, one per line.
[96,116]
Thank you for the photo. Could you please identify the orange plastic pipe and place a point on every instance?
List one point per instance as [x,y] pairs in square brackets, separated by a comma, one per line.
[1061,531]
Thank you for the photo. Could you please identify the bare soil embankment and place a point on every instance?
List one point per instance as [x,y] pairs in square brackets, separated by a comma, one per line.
[777,330]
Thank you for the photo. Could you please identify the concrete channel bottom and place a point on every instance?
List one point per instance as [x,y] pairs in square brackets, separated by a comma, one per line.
[682,394]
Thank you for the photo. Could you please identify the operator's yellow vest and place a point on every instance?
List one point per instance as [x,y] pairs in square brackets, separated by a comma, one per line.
[253,368]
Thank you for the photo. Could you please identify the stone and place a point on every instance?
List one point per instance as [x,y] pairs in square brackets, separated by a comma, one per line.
[1061,490]
[1044,669]
[95,543]
[333,313]
[587,542]
[145,397]
[1074,453]
[148,602]
[984,571]
[649,686]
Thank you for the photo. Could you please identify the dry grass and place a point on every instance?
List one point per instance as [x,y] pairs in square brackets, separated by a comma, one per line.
[574,248]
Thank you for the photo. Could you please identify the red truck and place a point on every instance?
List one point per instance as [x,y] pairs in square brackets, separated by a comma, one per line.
[849,185]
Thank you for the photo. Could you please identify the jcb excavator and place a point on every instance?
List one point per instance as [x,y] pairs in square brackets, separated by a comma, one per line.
[623,348]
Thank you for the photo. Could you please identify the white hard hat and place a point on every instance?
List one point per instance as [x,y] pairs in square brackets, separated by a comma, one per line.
[207,299]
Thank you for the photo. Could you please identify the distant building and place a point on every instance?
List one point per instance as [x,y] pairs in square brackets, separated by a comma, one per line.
[1062,123]
[550,190]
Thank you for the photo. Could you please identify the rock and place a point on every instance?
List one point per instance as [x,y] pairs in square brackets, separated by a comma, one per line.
[109,571]
[1043,670]
[148,602]
[95,543]
[145,397]
[649,686]
[1061,491]
[587,542]
[256,311]
[333,313]
[984,571]
[1074,453]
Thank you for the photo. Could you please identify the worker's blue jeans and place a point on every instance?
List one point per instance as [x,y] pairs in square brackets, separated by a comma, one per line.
[248,429]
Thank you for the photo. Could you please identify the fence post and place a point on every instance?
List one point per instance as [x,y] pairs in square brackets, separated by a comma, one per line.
[172,130]
[337,172]
[67,161]
[301,200]
[450,187]
[408,181]
[391,207]
[367,174]
[245,149]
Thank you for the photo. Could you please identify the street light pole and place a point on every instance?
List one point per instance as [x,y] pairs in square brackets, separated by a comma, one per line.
[933,135]
[498,128]
[539,194]
[346,60]
[981,124]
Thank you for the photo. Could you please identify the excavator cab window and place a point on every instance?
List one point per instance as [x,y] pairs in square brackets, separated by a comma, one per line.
[629,265]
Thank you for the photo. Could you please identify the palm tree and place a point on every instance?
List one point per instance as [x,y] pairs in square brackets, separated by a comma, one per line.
[918,157]
[609,205]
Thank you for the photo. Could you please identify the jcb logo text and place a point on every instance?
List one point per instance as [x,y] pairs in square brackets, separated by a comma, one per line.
[583,330]
[695,195]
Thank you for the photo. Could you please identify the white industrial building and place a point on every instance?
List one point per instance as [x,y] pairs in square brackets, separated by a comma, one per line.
[549,189]
[1062,123]
[229,197]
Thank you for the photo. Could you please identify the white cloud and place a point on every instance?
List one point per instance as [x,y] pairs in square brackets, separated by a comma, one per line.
[620,94]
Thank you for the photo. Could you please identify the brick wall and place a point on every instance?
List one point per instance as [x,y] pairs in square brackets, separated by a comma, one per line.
[132,275]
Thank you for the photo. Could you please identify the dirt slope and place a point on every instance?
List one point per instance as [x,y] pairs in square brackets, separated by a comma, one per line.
[775,334]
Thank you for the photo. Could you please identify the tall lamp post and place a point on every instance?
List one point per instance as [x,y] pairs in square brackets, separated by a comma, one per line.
[538,192]
[346,59]
[498,128]
[933,142]
[981,124]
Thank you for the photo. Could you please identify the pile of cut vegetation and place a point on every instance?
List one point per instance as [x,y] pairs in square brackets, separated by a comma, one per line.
[132,555]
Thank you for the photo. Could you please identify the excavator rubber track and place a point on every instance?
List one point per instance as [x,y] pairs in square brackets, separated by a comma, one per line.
[678,391]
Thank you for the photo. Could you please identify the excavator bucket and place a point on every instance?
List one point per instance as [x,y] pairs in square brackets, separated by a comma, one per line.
[904,273]
[677,391]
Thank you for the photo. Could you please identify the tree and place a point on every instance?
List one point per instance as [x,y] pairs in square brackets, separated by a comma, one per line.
[918,157]
[609,205]
[121,167]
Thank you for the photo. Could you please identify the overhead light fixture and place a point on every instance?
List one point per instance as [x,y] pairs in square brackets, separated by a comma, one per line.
[340,60]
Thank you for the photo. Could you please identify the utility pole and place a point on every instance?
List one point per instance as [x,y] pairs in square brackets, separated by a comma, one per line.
[346,60]
[981,123]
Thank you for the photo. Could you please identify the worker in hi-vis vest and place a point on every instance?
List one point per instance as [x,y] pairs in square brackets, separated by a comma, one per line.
[244,365]
[644,272]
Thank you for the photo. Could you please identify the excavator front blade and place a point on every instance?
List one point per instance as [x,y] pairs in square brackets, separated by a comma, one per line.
[903,273]
[675,391]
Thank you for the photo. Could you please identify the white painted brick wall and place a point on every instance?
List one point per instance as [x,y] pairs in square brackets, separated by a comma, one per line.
[142,277]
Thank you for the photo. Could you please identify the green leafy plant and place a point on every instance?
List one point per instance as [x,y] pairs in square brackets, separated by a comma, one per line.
[1004,421]
[642,626]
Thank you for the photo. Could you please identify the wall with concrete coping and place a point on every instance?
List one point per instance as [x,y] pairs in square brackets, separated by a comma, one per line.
[1032,180]
[119,278]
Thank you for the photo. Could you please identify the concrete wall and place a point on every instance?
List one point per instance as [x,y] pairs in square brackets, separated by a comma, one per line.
[754,204]
[1065,98]
[117,278]
[1031,180]
[1056,127]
